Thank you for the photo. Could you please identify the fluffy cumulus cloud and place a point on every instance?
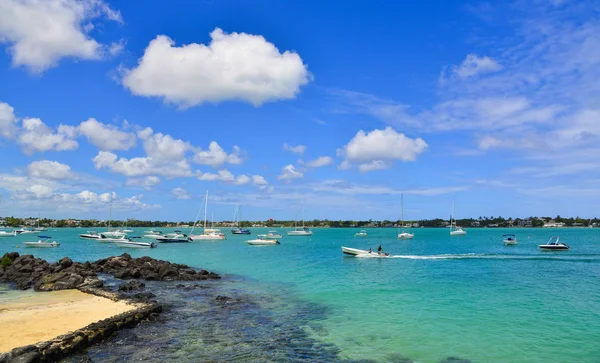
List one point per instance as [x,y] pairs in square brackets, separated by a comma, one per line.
[259,180]
[36,136]
[147,183]
[298,149]
[378,149]
[474,65]
[8,120]
[141,166]
[235,66]
[289,173]
[163,148]
[40,33]
[87,200]
[320,161]
[225,176]
[51,170]
[215,156]
[106,137]
[180,193]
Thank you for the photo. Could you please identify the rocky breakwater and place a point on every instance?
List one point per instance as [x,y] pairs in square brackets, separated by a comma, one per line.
[26,271]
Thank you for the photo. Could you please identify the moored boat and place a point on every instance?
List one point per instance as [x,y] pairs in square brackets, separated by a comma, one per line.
[108,238]
[261,241]
[8,234]
[129,243]
[209,234]
[554,244]
[90,235]
[43,242]
[271,235]
[362,233]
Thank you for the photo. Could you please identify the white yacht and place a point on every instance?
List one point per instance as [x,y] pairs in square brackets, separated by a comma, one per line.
[362,233]
[90,235]
[404,234]
[8,234]
[454,229]
[297,231]
[107,238]
[209,234]
[261,241]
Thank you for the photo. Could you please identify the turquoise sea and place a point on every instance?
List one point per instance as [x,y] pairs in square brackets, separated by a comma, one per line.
[464,296]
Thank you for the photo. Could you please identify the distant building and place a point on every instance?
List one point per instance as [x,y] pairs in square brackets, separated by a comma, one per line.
[475,224]
[525,222]
[553,224]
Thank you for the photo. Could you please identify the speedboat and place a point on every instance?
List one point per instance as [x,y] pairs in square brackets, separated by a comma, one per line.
[271,235]
[405,235]
[176,237]
[209,234]
[8,234]
[509,239]
[104,238]
[153,234]
[362,233]
[362,253]
[240,230]
[44,242]
[554,244]
[261,241]
[114,233]
[25,231]
[129,243]
[90,235]
[458,232]
[304,231]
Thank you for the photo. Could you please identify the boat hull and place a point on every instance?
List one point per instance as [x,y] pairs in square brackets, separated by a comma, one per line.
[206,237]
[136,244]
[41,244]
[89,236]
[299,233]
[172,240]
[263,242]
[554,247]
[510,242]
[406,236]
[8,234]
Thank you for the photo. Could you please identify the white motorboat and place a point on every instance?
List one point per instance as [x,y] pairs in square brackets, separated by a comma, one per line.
[454,229]
[509,239]
[261,241]
[174,238]
[25,231]
[273,235]
[90,235]
[362,233]
[554,244]
[135,244]
[104,238]
[40,229]
[8,234]
[43,242]
[209,234]
[404,234]
[362,253]
[114,233]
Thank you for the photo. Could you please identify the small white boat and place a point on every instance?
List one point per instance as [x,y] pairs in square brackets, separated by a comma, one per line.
[8,234]
[454,229]
[129,243]
[153,234]
[554,244]
[304,231]
[44,242]
[114,233]
[174,238]
[261,241]
[40,229]
[104,238]
[25,231]
[362,233]
[404,234]
[90,235]
[458,232]
[509,239]
[362,253]
[209,234]
[273,235]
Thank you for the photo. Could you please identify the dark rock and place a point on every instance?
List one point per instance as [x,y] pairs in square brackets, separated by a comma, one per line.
[143,296]
[132,285]
[65,262]
[225,299]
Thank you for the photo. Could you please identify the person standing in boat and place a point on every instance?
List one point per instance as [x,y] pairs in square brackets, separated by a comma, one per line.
[379,250]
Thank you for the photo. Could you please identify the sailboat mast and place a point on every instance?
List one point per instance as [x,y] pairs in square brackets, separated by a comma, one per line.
[402,206]
[110,212]
[205,208]
[452,216]
[302,215]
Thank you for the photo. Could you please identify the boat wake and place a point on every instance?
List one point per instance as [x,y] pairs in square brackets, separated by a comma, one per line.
[475,256]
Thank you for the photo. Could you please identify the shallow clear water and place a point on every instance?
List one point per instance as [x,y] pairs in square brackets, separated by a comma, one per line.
[465,296]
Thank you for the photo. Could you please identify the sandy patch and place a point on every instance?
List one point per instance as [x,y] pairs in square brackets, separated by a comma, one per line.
[46,315]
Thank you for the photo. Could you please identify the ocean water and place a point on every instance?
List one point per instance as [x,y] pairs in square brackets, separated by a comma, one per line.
[469,296]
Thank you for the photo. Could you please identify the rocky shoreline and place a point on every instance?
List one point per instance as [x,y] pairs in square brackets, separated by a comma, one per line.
[26,271]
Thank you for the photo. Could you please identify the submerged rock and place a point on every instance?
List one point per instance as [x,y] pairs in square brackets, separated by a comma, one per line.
[455,360]
[132,285]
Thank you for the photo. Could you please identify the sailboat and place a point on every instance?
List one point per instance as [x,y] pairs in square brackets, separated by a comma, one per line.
[404,234]
[38,228]
[304,231]
[209,234]
[112,232]
[235,228]
[454,230]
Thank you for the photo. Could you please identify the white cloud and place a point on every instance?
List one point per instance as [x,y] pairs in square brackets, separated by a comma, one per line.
[236,66]
[473,65]
[215,156]
[106,137]
[225,176]
[40,33]
[8,121]
[259,180]
[36,136]
[320,161]
[289,173]
[163,148]
[379,148]
[147,183]
[298,149]
[180,193]
[52,170]
[141,166]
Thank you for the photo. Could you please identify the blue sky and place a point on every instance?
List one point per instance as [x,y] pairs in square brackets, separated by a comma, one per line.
[272,105]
